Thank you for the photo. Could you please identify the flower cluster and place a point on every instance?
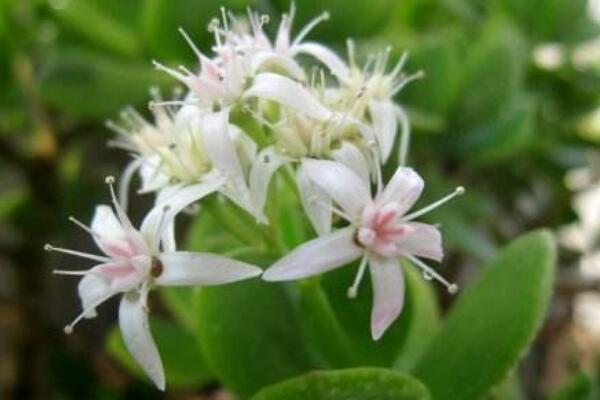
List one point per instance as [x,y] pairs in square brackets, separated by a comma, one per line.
[251,109]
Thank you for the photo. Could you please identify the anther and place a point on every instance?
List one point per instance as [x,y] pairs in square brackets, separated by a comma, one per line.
[453,288]
[68,329]
[48,247]
[109,180]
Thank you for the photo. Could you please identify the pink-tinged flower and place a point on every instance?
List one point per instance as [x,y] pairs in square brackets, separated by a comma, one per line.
[134,262]
[381,232]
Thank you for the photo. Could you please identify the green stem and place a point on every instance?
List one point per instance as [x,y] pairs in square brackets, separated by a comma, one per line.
[238,227]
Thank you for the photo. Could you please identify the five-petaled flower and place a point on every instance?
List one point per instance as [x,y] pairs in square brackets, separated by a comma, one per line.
[380,232]
[137,260]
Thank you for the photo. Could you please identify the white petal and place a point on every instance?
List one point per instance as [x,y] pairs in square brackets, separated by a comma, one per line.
[404,188]
[220,148]
[125,181]
[111,237]
[388,293]
[289,93]
[187,268]
[152,176]
[133,321]
[92,290]
[245,146]
[165,212]
[341,183]
[385,125]
[266,59]
[106,224]
[349,155]
[315,201]
[316,256]
[331,60]
[266,163]
[424,240]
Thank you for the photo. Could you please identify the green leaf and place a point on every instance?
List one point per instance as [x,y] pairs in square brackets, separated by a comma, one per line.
[493,73]
[339,327]
[579,387]
[182,359]
[493,322]
[90,22]
[501,138]
[439,57]
[350,384]
[88,84]
[251,335]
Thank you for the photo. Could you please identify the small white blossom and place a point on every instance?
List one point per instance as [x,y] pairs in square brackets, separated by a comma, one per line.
[134,262]
[381,231]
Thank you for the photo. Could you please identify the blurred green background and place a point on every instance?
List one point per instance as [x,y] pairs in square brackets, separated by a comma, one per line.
[508,106]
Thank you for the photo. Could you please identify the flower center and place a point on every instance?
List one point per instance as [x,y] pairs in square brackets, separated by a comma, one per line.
[156,267]
[381,229]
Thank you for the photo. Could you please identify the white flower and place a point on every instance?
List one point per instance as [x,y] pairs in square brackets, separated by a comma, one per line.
[187,149]
[380,232]
[371,90]
[134,262]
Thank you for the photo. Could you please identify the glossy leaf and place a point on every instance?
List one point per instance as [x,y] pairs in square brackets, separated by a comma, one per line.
[339,327]
[350,384]
[493,321]
[251,335]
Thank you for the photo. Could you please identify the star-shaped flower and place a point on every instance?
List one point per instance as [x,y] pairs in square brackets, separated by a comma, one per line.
[134,262]
[380,232]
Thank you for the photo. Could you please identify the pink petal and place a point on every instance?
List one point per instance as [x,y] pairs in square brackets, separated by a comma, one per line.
[404,188]
[422,240]
[388,293]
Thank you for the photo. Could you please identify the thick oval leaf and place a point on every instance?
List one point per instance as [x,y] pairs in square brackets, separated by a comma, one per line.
[251,335]
[88,84]
[182,359]
[349,384]
[493,321]
[339,327]
[493,73]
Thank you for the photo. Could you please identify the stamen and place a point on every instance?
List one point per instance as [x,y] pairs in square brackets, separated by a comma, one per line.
[309,27]
[399,64]
[353,290]
[405,81]
[351,52]
[110,180]
[68,329]
[457,192]
[177,75]
[190,43]
[49,247]
[68,272]
[429,273]
[331,208]
[83,226]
